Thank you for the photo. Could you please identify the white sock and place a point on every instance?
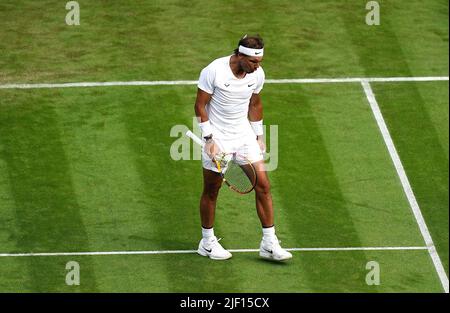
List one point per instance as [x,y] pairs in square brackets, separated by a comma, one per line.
[268,233]
[207,232]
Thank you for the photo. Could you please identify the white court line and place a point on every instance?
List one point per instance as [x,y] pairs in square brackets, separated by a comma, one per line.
[194,82]
[195,251]
[374,105]
[355,80]
[406,185]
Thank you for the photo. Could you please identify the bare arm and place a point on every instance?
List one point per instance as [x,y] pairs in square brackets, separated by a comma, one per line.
[202,100]
[255,113]
[255,110]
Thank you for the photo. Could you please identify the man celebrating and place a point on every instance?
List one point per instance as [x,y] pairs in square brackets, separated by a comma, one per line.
[229,110]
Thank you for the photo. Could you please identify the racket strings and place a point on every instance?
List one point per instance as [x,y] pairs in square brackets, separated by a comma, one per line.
[242,178]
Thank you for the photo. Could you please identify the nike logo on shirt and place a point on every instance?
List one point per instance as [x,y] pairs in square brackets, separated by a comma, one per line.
[226,85]
[251,85]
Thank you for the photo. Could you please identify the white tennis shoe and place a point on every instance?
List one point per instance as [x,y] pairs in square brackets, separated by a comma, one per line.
[271,249]
[213,249]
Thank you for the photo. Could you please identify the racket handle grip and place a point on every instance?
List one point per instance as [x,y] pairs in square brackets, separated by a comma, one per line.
[195,138]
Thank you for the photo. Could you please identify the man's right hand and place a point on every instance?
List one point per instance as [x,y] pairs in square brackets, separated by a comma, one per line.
[211,148]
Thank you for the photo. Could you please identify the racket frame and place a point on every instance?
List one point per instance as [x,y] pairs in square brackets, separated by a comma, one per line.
[200,142]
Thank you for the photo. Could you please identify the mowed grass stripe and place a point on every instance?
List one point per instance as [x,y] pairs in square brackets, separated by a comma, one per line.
[173,187]
[8,208]
[363,167]
[406,185]
[146,197]
[16,271]
[47,213]
[323,117]
[133,47]
[370,193]
[427,53]
[300,39]
[379,49]
[105,179]
[392,59]
[113,273]
[309,199]
[417,116]
[337,272]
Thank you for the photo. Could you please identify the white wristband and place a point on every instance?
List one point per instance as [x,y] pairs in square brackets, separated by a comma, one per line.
[258,128]
[206,128]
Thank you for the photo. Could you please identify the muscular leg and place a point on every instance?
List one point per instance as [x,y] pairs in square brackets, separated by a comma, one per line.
[270,246]
[211,185]
[263,196]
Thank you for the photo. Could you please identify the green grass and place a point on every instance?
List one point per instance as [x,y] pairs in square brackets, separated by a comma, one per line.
[417,115]
[89,169]
[86,174]
[332,272]
[172,40]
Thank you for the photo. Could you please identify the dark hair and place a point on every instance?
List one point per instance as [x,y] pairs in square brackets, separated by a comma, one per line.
[255,42]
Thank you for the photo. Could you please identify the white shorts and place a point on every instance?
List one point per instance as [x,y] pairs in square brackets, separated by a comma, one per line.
[246,145]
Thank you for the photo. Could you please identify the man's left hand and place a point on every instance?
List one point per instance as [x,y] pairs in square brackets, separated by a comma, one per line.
[261,143]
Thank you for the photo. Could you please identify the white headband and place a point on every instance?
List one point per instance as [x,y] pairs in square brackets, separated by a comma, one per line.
[251,52]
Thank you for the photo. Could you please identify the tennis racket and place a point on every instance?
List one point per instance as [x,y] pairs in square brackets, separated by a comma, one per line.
[237,172]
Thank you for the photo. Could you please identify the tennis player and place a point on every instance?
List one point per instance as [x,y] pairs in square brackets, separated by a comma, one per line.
[230,114]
